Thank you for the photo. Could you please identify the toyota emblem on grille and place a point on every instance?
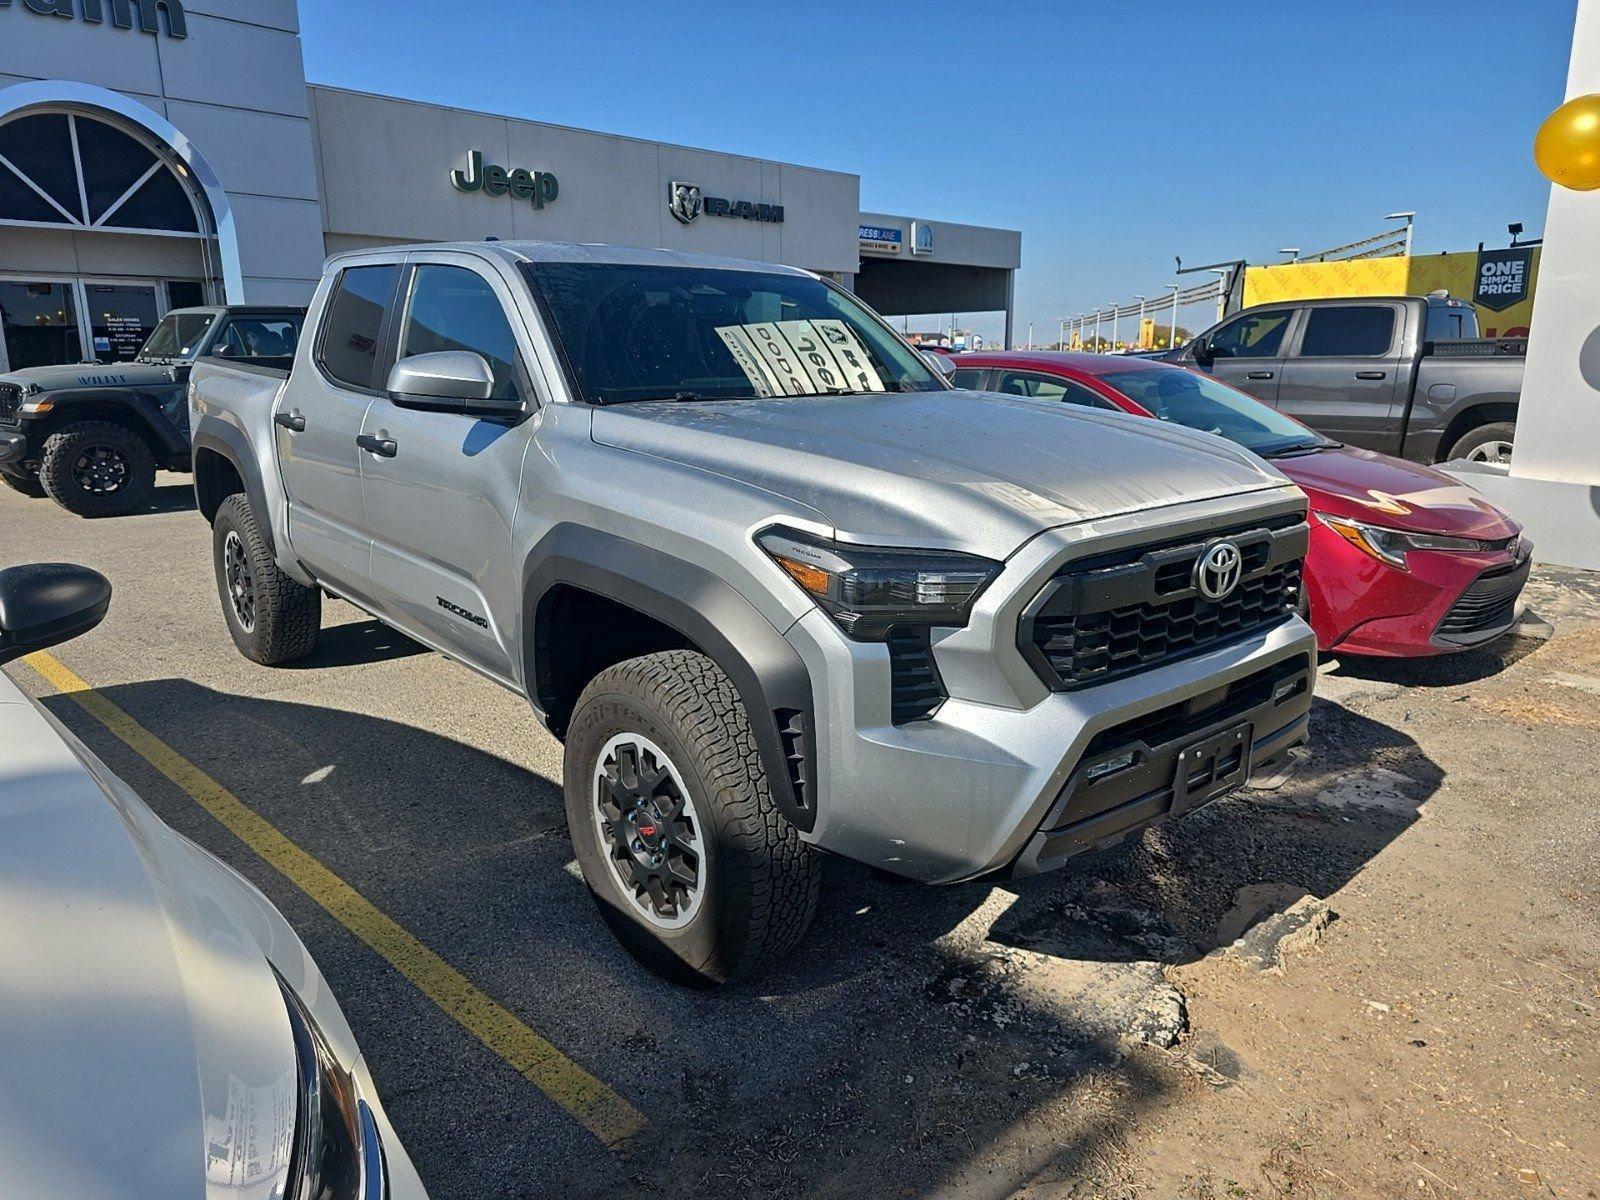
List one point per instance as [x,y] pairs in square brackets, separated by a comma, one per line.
[1217,573]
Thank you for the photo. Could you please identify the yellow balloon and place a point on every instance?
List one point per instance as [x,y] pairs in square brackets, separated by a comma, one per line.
[1567,146]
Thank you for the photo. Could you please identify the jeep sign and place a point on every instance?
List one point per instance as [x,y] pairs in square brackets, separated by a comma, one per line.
[539,187]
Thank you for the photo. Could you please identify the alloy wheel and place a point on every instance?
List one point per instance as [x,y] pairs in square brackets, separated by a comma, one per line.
[101,470]
[1491,452]
[240,580]
[649,831]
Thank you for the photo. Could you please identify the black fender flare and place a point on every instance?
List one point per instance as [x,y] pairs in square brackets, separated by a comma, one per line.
[772,680]
[230,443]
[162,433]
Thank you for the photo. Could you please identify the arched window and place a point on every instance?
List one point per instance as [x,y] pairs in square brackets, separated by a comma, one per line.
[72,170]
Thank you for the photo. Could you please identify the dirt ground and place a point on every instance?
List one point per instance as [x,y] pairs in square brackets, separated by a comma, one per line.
[1377,976]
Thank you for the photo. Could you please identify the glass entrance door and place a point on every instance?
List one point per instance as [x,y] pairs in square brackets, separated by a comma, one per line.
[39,324]
[120,316]
[58,322]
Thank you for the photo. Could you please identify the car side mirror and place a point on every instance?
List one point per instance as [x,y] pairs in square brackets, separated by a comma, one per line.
[453,381]
[45,604]
[939,362]
[1202,351]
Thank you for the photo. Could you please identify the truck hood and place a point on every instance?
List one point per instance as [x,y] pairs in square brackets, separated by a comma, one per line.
[950,469]
[146,1045]
[89,375]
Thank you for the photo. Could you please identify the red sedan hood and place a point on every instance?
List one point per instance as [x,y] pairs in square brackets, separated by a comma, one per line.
[1388,491]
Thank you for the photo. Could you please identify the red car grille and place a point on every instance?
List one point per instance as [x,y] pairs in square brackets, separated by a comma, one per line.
[1489,604]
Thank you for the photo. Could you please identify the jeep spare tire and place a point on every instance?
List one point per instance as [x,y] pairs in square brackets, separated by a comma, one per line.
[98,469]
[693,866]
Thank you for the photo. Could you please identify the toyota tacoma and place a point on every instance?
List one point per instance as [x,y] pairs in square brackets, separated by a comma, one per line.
[778,588]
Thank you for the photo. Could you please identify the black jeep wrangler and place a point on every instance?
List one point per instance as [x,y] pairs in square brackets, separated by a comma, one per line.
[93,436]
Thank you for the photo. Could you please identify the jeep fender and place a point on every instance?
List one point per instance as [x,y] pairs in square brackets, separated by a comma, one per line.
[165,438]
[709,613]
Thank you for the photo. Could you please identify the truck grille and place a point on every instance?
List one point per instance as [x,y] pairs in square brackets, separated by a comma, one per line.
[1114,615]
[10,401]
[1488,605]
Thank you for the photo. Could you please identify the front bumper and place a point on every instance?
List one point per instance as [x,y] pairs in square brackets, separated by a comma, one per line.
[13,448]
[979,789]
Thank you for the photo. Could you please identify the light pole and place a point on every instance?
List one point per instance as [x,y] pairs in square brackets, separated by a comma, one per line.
[1140,334]
[1172,341]
[1410,219]
[1098,343]
[1292,251]
[1116,315]
[1222,274]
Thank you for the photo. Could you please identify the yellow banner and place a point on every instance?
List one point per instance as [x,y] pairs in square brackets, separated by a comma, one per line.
[1398,276]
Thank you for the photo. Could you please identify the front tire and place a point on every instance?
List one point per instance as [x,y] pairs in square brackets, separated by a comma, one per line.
[273,619]
[20,480]
[693,867]
[98,469]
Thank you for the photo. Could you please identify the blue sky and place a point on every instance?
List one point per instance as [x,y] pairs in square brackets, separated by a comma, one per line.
[1114,134]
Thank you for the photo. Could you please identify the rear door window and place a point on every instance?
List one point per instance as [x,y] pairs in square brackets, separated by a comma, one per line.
[1348,331]
[1253,335]
[1048,387]
[354,324]
[971,378]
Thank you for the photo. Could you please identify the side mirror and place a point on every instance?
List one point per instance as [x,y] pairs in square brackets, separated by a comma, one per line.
[940,363]
[45,604]
[453,381]
[1201,349]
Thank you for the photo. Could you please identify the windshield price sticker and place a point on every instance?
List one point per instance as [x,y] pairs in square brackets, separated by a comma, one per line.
[801,358]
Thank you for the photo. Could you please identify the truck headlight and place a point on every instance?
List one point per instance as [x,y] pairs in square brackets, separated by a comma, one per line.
[337,1153]
[868,590]
[1390,545]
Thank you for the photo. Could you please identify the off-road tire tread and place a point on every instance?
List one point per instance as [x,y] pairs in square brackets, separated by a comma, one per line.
[764,921]
[288,614]
[55,470]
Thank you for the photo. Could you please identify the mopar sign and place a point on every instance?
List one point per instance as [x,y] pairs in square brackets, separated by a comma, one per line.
[1503,278]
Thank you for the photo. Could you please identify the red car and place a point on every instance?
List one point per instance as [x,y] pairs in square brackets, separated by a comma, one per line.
[1405,561]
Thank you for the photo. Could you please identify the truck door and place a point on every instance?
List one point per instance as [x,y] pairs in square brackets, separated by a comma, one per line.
[1247,352]
[1340,378]
[442,489]
[317,422]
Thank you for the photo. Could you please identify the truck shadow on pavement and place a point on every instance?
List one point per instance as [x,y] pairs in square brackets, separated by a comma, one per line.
[920,1041]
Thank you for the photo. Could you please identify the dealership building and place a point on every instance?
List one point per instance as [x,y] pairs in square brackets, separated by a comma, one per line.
[156,154]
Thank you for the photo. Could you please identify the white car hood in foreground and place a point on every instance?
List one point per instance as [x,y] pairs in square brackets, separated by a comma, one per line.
[144,1046]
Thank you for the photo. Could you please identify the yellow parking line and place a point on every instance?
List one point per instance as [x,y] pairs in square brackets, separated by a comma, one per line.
[591,1103]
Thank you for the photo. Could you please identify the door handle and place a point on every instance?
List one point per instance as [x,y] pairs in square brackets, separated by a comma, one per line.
[1372,374]
[1259,375]
[382,447]
[292,421]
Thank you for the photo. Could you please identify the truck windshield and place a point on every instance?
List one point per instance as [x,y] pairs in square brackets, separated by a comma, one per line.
[1200,402]
[178,336]
[659,332]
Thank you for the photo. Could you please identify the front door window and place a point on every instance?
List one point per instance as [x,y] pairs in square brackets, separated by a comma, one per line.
[121,319]
[38,325]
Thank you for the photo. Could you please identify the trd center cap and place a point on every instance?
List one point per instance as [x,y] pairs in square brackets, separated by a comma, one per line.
[648,826]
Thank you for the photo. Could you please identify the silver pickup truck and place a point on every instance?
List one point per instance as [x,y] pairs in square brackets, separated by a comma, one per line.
[777,587]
